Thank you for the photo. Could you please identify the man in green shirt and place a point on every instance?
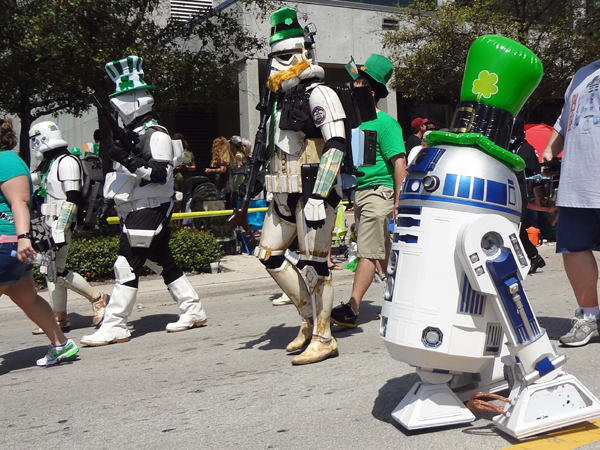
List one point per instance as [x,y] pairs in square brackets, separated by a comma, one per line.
[377,192]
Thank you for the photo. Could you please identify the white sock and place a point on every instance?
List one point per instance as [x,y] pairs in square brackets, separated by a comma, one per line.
[591,313]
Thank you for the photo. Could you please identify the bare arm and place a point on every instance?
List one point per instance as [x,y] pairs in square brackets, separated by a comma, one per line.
[554,146]
[220,169]
[399,163]
[16,191]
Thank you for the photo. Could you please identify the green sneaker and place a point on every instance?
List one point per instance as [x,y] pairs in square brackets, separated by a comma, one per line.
[58,353]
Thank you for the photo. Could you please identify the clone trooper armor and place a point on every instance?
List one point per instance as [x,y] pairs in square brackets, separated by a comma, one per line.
[58,180]
[142,189]
[307,146]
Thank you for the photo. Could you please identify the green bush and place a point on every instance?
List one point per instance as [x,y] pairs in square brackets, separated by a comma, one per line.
[93,256]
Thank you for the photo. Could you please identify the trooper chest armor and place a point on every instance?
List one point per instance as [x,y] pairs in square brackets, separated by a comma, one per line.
[291,149]
[131,192]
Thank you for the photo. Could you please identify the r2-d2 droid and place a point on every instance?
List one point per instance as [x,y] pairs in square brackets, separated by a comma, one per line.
[454,306]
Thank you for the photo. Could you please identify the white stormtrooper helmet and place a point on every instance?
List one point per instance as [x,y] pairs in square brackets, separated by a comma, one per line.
[287,41]
[131,97]
[45,136]
[133,104]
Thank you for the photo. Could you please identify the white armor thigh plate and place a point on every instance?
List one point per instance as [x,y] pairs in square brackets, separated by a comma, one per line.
[285,168]
[277,234]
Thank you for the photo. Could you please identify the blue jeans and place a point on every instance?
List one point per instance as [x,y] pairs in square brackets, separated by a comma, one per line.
[11,269]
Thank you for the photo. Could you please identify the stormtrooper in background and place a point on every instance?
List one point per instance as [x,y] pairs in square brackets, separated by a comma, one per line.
[58,181]
[307,145]
[142,189]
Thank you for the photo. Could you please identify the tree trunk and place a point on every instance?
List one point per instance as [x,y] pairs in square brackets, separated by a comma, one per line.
[24,150]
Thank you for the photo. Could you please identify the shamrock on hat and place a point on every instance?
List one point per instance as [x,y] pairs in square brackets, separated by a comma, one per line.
[127,74]
[284,25]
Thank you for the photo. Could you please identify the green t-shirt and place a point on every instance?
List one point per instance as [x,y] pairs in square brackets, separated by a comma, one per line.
[389,144]
[11,166]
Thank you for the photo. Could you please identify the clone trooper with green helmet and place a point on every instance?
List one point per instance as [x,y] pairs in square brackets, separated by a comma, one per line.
[59,180]
[306,144]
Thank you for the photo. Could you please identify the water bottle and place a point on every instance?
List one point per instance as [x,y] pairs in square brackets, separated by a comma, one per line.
[37,260]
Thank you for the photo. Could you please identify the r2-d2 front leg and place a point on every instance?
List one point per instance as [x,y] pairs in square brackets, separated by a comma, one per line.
[543,397]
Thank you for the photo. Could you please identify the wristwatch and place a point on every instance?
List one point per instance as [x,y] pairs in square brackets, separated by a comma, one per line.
[25,236]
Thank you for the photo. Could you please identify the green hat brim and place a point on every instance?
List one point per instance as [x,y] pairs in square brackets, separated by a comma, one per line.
[151,86]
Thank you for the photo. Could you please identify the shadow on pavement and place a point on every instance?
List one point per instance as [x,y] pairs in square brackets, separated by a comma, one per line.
[275,338]
[555,326]
[151,323]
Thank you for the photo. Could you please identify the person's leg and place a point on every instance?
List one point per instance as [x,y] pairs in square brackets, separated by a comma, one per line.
[582,271]
[36,308]
[363,277]
[578,235]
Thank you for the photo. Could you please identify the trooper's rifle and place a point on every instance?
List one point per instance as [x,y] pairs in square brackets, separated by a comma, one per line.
[260,155]
[119,134]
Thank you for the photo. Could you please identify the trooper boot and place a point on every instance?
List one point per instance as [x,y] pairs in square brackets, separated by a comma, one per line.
[322,344]
[97,298]
[189,303]
[114,326]
[291,282]
[303,338]
[58,299]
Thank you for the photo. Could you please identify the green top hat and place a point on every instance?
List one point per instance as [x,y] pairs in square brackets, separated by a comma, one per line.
[501,73]
[378,69]
[127,74]
[284,25]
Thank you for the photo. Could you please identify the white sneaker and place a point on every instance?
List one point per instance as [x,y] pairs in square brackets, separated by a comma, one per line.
[185,322]
[104,337]
[283,300]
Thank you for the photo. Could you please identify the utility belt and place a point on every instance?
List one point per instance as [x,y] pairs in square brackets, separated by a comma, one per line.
[51,209]
[135,205]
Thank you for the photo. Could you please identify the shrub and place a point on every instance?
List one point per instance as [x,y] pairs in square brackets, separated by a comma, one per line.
[93,256]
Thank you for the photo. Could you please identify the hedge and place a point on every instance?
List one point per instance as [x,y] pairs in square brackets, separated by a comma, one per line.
[92,255]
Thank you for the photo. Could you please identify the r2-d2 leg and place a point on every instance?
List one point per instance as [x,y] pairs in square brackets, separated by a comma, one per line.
[543,397]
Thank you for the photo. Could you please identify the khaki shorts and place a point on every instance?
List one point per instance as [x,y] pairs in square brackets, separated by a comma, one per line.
[373,210]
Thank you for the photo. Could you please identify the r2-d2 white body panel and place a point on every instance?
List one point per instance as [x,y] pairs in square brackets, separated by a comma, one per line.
[454,303]
[433,319]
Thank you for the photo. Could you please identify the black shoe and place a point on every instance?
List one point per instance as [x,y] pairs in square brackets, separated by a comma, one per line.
[344,316]
[537,262]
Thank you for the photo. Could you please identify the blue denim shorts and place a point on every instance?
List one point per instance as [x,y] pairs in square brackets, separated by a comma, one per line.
[578,230]
[11,269]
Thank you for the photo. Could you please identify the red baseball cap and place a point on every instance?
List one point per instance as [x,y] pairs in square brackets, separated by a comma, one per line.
[416,123]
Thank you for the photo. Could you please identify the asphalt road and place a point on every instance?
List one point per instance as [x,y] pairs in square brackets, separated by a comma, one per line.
[231,384]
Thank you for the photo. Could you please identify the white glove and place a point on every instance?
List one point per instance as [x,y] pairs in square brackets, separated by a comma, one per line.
[314,212]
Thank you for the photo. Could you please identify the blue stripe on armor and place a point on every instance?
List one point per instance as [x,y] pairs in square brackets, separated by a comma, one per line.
[496,192]
[464,187]
[450,184]
[478,188]
[408,222]
[459,202]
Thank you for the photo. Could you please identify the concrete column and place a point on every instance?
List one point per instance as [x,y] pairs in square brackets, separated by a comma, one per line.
[249,96]
[389,105]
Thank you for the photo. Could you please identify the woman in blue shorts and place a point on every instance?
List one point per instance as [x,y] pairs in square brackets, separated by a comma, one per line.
[16,251]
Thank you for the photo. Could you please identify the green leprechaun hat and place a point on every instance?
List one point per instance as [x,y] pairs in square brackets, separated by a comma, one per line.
[127,74]
[377,69]
[284,25]
[499,77]
[501,73]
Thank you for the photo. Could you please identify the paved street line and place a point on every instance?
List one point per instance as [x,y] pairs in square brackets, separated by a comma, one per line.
[567,439]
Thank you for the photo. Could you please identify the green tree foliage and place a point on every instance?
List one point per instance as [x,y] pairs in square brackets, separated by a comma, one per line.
[429,47]
[54,52]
